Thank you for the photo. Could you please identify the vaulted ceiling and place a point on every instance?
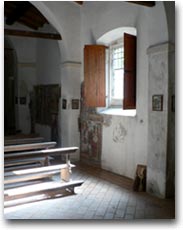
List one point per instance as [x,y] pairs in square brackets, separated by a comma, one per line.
[25,13]
[143,3]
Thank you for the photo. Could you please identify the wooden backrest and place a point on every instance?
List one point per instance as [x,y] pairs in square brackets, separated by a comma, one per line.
[22,147]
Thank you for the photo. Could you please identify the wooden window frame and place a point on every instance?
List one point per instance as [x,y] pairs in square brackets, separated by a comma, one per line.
[95,75]
[129,101]
[113,103]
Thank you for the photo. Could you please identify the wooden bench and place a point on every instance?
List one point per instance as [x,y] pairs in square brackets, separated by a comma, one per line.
[29,161]
[36,173]
[41,153]
[26,163]
[27,147]
[23,140]
[44,190]
[45,153]
[39,173]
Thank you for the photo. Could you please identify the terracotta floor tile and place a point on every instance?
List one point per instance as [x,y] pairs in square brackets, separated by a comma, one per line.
[103,195]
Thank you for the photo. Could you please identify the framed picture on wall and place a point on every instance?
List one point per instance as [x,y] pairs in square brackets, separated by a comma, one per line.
[75,103]
[157,102]
[64,104]
[23,100]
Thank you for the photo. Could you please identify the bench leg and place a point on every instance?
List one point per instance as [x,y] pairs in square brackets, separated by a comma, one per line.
[46,161]
[65,174]
[71,189]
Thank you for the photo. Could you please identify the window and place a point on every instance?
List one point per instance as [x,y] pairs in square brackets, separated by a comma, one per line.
[116,73]
[94,76]
[116,85]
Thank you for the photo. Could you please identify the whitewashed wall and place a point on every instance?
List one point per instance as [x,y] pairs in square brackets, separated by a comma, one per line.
[97,18]
[159,79]
[71,79]
[26,75]
[38,62]
[65,16]
[84,25]
[131,149]
[48,72]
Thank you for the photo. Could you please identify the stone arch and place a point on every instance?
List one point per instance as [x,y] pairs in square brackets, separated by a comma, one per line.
[115,34]
[41,6]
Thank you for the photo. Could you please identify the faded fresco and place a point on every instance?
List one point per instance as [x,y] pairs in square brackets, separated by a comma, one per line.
[90,132]
[47,103]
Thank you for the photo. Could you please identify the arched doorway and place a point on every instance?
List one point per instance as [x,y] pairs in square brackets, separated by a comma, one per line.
[10,75]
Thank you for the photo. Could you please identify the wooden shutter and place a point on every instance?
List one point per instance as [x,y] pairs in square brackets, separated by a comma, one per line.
[94,75]
[129,72]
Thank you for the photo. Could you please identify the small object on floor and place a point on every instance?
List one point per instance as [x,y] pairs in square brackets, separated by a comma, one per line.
[139,184]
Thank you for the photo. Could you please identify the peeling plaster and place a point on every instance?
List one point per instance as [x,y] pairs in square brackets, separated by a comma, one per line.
[119,133]
[107,120]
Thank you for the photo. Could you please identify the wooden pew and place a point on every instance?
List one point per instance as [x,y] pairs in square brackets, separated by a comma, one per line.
[30,162]
[23,147]
[34,173]
[43,190]
[41,153]
[39,173]
[45,154]
[23,140]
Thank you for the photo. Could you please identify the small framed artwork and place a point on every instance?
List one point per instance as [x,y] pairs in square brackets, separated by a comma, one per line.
[23,100]
[157,102]
[64,104]
[75,103]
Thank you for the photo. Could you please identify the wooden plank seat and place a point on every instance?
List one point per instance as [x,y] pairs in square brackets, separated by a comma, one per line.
[46,186]
[40,161]
[32,146]
[23,140]
[22,166]
[34,173]
[12,178]
[16,196]
[41,153]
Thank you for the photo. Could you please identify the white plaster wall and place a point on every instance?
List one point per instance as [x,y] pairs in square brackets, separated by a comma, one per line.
[48,72]
[27,80]
[26,75]
[71,80]
[98,18]
[65,17]
[48,61]
[158,120]
[38,63]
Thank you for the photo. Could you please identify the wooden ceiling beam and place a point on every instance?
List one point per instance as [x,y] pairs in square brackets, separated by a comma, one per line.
[32,34]
[79,2]
[145,3]
[27,22]
[19,11]
[35,16]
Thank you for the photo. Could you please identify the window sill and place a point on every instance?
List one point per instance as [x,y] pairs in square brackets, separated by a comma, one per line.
[119,112]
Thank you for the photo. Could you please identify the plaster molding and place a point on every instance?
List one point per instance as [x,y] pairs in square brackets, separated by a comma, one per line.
[72,64]
[161,48]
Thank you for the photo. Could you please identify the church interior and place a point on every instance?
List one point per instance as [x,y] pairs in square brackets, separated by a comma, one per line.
[89,110]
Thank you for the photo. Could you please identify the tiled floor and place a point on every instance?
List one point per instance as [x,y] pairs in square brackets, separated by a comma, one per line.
[103,195]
